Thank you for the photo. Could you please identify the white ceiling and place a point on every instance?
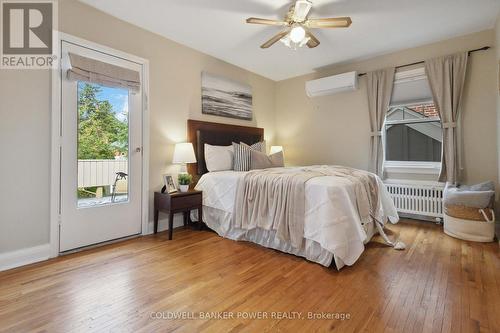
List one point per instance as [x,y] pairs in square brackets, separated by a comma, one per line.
[218,28]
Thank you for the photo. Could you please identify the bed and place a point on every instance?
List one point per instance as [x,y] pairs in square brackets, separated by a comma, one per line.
[333,233]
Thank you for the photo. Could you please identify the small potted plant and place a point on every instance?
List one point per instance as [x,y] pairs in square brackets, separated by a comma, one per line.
[184,181]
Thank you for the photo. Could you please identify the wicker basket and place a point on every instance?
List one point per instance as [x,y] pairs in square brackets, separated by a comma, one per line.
[470,223]
[470,213]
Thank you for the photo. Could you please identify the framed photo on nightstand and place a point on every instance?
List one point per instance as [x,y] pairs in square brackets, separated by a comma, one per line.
[169,184]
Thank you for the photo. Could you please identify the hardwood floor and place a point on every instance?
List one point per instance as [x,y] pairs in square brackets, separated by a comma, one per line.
[438,284]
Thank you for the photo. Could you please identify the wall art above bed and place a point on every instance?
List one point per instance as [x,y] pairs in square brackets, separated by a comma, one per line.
[225,98]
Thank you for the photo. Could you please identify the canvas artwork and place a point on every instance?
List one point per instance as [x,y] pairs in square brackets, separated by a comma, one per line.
[225,98]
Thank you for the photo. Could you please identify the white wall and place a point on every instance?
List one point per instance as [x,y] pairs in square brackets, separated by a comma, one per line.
[497,92]
[497,87]
[24,162]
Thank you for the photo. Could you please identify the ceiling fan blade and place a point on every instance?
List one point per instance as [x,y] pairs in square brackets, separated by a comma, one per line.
[334,22]
[274,39]
[301,10]
[255,20]
[313,41]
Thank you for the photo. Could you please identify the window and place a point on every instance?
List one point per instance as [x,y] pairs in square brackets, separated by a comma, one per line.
[413,133]
[103,144]
[412,129]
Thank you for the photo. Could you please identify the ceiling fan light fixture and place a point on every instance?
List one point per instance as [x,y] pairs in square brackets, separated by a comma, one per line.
[297,24]
[287,41]
[297,34]
[304,41]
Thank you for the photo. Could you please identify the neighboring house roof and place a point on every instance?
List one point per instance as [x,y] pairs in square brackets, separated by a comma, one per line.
[432,130]
[428,110]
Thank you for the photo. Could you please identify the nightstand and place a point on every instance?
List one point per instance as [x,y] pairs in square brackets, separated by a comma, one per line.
[177,202]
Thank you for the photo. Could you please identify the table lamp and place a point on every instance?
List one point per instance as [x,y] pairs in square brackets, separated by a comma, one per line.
[183,154]
[275,149]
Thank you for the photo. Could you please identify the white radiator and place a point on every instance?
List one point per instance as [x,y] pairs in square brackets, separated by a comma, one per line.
[417,199]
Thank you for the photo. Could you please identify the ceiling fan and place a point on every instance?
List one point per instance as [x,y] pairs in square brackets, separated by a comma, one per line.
[297,26]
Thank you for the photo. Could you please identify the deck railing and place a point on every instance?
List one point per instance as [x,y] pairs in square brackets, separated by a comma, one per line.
[99,172]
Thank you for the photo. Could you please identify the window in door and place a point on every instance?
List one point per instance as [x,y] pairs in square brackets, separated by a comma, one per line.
[103,144]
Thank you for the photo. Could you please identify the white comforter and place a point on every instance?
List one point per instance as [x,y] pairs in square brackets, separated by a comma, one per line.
[331,218]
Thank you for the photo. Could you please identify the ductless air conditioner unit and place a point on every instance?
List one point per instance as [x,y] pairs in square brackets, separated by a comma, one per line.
[332,84]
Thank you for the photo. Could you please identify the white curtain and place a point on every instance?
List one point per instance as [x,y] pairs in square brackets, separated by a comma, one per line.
[446,77]
[95,71]
[379,86]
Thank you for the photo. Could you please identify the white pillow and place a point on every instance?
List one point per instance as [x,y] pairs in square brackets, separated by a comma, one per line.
[219,158]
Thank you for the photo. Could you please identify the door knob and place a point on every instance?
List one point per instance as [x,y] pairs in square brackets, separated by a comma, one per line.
[138,149]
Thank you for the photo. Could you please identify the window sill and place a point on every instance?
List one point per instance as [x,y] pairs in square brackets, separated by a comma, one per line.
[423,168]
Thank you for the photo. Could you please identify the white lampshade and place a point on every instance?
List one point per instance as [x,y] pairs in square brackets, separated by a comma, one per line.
[184,153]
[276,149]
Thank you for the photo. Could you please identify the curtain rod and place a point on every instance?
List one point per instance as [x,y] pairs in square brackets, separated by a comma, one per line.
[421,62]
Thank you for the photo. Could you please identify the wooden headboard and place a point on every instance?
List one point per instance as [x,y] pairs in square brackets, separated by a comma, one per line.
[201,132]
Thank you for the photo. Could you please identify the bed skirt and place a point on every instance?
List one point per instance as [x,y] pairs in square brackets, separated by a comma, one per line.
[220,222]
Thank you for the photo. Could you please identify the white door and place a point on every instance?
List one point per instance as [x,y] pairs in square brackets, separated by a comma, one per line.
[101,157]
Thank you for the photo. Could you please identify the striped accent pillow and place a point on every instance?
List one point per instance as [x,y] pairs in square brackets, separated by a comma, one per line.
[242,156]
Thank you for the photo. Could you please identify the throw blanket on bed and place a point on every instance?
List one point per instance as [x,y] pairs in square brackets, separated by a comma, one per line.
[274,199]
[365,188]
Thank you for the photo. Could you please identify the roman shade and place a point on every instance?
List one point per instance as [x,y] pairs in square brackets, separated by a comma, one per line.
[411,87]
[379,87]
[95,71]
[446,77]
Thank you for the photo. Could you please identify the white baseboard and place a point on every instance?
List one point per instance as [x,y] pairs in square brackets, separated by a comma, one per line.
[23,257]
